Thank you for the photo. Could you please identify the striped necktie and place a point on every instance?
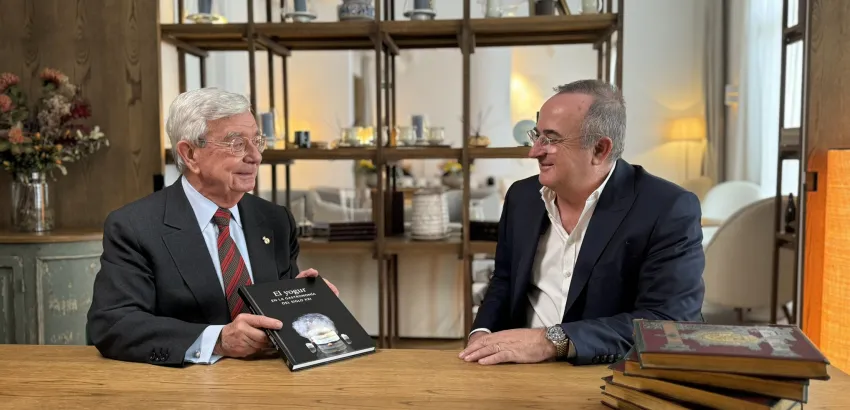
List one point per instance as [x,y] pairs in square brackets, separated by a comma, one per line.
[233,269]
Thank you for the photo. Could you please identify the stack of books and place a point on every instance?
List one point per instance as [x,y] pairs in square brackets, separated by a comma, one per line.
[687,365]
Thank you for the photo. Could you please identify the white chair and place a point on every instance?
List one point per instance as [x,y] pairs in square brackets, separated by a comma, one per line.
[726,198]
[739,262]
[699,186]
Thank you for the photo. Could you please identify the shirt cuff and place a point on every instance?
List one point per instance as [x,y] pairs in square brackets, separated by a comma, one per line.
[202,350]
[480,329]
[571,353]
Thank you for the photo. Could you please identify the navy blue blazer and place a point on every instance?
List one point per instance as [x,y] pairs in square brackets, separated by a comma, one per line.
[641,257]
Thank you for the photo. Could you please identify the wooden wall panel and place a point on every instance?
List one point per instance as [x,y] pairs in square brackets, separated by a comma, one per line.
[827,125]
[110,48]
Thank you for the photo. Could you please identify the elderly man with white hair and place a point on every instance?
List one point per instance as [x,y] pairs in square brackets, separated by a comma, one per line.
[172,261]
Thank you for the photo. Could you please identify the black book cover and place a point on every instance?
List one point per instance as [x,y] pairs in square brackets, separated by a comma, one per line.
[317,327]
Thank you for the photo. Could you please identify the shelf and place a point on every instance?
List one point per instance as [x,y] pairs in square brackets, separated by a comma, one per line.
[321,245]
[486,247]
[403,34]
[499,152]
[207,37]
[402,245]
[283,156]
[400,153]
[787,240]
[424,34]
[793,34]
[789,143]
[542,30]
[346,35]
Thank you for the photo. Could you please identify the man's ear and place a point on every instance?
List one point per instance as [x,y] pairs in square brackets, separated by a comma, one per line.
[187,152]
[602,150]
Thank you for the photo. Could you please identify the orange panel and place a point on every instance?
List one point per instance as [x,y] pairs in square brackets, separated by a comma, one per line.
[835,296]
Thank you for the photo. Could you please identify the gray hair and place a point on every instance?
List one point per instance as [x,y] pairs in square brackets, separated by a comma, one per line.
[606,116]
[190,111]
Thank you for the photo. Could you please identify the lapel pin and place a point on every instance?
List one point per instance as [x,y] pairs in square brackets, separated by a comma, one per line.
[266,240]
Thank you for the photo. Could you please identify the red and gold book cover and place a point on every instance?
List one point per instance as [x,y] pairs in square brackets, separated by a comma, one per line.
[694,338]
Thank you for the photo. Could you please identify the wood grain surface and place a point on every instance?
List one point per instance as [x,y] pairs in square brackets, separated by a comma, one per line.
[111,50]
[827,126]
[56,236]
[78,377]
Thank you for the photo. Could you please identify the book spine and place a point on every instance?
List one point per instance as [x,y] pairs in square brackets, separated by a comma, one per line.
[637,334]
[272,335]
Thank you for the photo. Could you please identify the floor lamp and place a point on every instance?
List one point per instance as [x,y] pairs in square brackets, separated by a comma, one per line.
[687,131]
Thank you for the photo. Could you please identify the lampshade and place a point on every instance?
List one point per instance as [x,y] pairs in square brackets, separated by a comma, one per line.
[687,129]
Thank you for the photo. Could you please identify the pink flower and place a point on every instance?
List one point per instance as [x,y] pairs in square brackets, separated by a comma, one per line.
[16,136]
[5,103]
[54,76]
[7,80]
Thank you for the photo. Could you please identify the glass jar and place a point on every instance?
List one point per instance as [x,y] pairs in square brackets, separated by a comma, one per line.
[32,208]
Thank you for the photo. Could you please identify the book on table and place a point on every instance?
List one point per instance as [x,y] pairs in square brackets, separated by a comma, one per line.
[676,365]
[317,327]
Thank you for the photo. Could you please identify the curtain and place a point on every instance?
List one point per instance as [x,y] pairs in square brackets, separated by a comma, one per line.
[752,152]
[714,86]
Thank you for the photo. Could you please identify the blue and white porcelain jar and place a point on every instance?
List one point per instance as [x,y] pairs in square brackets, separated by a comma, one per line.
[356,10]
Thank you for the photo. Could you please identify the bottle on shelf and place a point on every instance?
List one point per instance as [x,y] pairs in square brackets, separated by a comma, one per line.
[790,215]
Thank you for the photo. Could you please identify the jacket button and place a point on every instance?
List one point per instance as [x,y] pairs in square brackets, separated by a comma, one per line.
[611,358]
[595,359]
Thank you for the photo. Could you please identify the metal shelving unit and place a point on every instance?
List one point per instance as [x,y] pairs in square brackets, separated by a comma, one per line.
[387,37]
[791,147]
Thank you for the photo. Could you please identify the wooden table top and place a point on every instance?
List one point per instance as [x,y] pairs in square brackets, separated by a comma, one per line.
[78,377]
[56,236]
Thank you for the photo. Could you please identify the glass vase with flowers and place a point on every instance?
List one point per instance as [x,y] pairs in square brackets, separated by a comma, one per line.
[37,141]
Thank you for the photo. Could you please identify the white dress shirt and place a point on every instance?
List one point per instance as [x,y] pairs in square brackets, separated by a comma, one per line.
[202,350]
[555,260]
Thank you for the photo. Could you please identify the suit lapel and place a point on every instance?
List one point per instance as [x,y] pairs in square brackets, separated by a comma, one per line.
[260,254]
[189,252]
[614,203]
[536,219]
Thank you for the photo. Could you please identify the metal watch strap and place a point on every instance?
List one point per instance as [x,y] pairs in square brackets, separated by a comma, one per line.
[563,348]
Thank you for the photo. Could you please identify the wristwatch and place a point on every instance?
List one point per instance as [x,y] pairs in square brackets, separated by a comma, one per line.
[555,334]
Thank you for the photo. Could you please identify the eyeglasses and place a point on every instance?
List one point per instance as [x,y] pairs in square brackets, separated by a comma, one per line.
[238,145]
[534,136]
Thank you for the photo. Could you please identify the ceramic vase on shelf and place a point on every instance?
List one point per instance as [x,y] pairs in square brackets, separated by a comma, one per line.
[420,10]
[356,10]
[453,180]
[299,11]
[204,12]
[32,208]
[430,215]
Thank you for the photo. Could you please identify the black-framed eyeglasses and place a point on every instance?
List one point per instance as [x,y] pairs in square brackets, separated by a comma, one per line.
[238,145]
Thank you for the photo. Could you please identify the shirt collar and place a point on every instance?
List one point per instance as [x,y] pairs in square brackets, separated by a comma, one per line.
[204,208]
[548,195]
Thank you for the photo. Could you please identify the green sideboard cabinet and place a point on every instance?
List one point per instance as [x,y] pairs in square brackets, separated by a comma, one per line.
[46,285]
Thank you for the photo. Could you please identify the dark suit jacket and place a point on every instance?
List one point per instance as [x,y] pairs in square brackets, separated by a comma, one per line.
[641,257]
[157,289]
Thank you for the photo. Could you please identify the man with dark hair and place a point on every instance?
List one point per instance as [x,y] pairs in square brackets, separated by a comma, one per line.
[588,245]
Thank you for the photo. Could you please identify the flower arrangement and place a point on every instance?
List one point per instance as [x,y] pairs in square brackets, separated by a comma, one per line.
[49,136]
[366,166]
[452,168]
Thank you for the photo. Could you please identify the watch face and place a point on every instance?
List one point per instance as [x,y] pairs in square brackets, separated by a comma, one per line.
[555,334]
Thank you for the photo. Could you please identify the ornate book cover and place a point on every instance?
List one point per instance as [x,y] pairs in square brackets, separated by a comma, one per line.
[317,327]
[711,347]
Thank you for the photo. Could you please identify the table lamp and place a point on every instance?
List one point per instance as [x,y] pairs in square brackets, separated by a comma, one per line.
[687,131]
